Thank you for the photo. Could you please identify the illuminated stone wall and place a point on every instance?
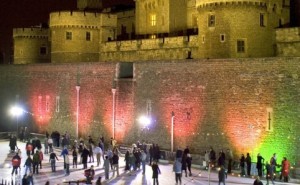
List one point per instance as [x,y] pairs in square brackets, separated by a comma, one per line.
[288,41]
[163,16]
[248,105]
[28,43]
[238,20]
[79,49]
[150,49]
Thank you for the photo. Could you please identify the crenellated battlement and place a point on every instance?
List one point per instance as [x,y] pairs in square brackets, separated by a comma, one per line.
[31,32]
[212,3]
[80,19]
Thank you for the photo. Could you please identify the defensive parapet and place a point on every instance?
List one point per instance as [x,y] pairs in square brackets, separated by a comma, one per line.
[31,45]
[75,36]
[34,32]
[238,28]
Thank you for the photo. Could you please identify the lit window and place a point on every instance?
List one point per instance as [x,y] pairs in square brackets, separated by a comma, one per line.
[222,38]
[68,35]
[153,20]
[211,20]
[57,104]
[43,50]
[269,126]
[240,46]
[153,36]
[88,36]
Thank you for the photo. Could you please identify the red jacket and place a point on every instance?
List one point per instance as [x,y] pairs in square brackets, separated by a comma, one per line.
[285,168]
[16,161]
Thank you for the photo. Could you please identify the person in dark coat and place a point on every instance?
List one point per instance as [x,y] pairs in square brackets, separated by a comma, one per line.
[184,162]
[156,171]
[242,165]
[157,153]
[221,159]
[127,161]
[212,157]
[186,150]
[150,154]
[12,143]
[259,164]
[222,175]
[38,144]
[84,155]
[248,162]
[189,163]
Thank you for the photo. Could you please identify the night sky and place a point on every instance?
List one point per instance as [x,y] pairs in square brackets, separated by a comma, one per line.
[27,13]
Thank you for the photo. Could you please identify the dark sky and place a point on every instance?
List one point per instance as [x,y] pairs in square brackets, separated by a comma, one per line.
[26,13]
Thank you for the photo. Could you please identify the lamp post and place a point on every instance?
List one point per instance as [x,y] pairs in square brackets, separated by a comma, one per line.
[77,111]
[113,90]
[16,111]
[172,131]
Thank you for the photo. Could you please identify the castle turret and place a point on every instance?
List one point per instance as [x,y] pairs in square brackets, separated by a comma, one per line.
[75,36]
[238,28]
[31,45]
[154,17]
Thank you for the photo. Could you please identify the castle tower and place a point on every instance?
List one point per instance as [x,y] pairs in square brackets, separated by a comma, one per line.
[160,16]
[75,36]
[31,45]
[238,28]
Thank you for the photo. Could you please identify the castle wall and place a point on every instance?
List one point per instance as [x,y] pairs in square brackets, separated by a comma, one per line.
[150,49]
[288,42]
[192,14]
[78,48]
[31,45]
[248,105]
[237,20]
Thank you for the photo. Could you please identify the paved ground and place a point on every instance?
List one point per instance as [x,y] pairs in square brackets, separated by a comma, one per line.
[166,177]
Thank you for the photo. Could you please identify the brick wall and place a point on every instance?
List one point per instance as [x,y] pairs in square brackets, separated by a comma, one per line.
[248,105]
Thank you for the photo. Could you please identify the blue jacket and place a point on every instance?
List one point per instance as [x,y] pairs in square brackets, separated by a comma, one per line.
[177,166]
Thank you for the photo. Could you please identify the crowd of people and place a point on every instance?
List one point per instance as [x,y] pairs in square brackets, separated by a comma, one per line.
[136,158]
[224,162]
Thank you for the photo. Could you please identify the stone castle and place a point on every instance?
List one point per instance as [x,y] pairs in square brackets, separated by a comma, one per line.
[224,72]
[161,30]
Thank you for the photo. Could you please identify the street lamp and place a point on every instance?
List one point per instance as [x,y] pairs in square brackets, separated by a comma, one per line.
[113,90]
[145,121]
[16,111]
[172,131]
[77,110]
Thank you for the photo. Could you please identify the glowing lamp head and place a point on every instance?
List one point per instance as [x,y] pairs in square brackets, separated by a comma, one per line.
[144,120]
[16,111]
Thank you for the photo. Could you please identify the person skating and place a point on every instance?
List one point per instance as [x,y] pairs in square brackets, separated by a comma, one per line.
[16,161]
